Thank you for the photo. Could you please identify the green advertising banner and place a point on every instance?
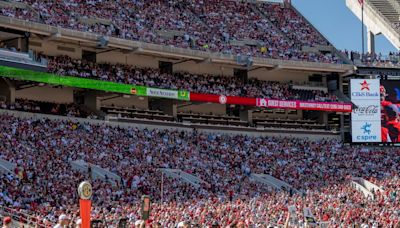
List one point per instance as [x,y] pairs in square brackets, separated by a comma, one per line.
[85,83]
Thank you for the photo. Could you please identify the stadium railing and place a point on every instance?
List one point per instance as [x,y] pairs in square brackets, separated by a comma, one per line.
[21,219]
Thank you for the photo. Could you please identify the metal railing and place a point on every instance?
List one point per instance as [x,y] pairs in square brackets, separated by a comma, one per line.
[378,61]
[22,219]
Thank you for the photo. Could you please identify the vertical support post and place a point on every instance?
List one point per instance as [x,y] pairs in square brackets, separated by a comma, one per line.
[162,187]
[371,42]
[362,27]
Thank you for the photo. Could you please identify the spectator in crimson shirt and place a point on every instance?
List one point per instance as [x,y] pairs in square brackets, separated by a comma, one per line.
[230,195]
[393,124]
[7,222]
[385,134]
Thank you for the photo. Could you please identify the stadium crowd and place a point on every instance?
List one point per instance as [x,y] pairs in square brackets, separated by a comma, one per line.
[319,172]
[262,29]
[374,59]
[211,84]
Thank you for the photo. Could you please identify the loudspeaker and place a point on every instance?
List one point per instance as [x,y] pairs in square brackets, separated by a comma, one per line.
[102,42]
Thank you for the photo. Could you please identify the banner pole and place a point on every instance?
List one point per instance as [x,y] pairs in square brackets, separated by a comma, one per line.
[362,28]
[162,188]
[85,192]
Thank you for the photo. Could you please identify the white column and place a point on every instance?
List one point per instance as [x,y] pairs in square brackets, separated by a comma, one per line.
[371,41]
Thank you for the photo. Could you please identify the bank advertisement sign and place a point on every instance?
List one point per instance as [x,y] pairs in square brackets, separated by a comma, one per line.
[366,117]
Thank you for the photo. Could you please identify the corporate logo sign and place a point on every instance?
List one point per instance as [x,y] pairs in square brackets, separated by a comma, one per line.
[366,89]
[222,99]
[366,110]
[152,92]
[369,110]
[366,117]
[366,131]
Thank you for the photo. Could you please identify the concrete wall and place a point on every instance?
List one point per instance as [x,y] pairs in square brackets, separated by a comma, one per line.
[205,108]
[279,75]
[7,91]
[136,60]
[274,115]
[49,94]
[53,48]
[204,68]
[167,106]
[138,102]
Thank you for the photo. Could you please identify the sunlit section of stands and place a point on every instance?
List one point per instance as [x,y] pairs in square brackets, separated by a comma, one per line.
[313,59]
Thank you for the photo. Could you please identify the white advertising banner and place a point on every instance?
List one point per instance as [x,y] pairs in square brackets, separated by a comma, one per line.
[165,93]
[366,131]
[365,89]
[366,110]
[366,118]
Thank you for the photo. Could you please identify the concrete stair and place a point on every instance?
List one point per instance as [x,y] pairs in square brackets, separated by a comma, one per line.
[272,182]
[183,176]
[96,171]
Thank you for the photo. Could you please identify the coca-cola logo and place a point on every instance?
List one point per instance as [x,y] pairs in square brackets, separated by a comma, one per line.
[366,110]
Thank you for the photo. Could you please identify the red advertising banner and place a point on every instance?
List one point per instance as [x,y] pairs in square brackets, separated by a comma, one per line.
[305,105]
[269,103]
[222,99]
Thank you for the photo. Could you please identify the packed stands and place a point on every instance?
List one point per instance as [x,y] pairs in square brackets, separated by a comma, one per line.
[17,13]
[222,148]
[293,25]
[211,84]
[319,169]
[261,29]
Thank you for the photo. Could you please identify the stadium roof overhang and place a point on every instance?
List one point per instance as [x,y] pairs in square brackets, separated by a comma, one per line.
[380,16]
[51,33]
